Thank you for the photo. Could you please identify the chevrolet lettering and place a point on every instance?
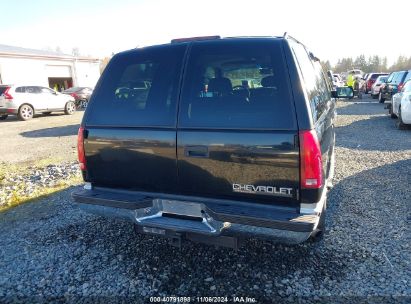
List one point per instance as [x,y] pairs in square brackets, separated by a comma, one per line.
[213,140]
[265,190]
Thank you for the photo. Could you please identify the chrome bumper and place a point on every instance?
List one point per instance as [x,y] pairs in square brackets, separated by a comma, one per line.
[166,217]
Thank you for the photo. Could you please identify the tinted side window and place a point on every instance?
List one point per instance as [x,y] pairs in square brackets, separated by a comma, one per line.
[33,90]
[391,77]
[398,77]
[138,88]
[314,80]
[20,89]
[239,85]
[324,94]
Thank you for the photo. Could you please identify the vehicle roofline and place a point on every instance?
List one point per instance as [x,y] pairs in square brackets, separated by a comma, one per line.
[250,37]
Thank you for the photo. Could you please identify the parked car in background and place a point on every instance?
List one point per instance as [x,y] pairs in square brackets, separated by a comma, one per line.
[81,95]
[401,106]
[25,101]
[369,81]
[343,76]
[357,72]
[338,80]
[338,76]
[247,165]
[394,84]
[375,88]
[384,86]
[335,79]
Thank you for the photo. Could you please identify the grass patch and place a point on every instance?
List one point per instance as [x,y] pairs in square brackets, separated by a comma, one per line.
[22,167]
[17,199]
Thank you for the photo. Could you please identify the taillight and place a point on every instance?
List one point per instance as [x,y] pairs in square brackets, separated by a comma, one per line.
[7,94]
[80,149]
[311,161]
[74,95]
[400,86]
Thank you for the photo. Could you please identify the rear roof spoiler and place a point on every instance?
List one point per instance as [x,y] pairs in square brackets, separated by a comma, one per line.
[200,38]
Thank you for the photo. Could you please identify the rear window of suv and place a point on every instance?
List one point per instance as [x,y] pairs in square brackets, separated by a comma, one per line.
[236,85]
[139,88]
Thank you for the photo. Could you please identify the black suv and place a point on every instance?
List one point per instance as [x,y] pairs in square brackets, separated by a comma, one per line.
[394,84]
[231,138]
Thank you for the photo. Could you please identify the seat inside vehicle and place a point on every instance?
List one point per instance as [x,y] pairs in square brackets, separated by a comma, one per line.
[221,86]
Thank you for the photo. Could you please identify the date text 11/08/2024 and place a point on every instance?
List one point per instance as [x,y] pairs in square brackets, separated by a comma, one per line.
[171,299]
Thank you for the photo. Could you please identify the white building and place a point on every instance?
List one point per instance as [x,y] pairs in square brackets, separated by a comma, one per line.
[46,68]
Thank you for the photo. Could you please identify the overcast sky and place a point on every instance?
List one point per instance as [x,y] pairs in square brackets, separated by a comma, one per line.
[331,29]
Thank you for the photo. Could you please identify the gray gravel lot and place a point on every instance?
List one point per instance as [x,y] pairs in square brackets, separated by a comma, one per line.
[50,250]
[42,137]
[34,179]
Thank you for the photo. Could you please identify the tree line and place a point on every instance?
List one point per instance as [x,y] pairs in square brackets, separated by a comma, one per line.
[371,64]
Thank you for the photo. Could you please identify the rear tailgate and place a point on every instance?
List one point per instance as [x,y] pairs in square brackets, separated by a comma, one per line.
[237,136]
[249,166]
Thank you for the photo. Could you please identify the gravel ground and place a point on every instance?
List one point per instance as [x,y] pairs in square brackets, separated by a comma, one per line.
[34,180]
[51,251]
[52,136]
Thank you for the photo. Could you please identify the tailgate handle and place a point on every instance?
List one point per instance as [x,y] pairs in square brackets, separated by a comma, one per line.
[196,151]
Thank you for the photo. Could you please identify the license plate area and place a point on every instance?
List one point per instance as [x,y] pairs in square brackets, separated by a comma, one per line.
[153,230]
[176,216]
[188,209]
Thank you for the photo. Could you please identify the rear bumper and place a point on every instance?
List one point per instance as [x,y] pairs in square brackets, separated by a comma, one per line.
[169,214]
[8,111]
